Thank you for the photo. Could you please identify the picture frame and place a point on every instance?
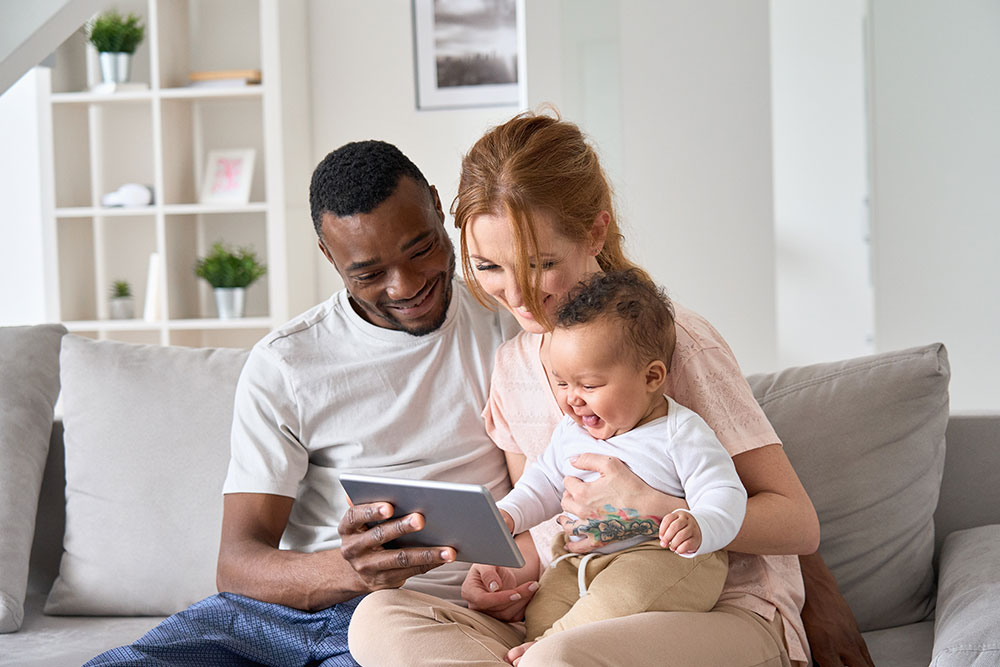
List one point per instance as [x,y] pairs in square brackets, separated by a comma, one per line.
[227,177]
[466,53]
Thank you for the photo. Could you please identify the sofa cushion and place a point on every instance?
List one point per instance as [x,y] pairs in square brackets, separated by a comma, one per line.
[866,437]
[29,387]
[968,605]
[147,447]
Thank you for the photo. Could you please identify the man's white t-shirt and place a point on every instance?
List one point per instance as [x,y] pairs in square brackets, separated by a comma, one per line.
[330,393]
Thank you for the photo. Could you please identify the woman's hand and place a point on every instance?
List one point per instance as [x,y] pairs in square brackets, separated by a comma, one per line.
[494,590]
[617,505]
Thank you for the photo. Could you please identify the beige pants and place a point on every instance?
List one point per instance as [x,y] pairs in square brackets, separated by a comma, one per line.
[399,627]
[645,577]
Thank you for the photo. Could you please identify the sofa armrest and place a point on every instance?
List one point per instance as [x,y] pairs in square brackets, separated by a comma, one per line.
[968,607]
[970,495]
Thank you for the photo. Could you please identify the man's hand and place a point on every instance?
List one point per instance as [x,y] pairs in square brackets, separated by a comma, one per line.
[377,567]
[833,633]
[680,532]
[493,590]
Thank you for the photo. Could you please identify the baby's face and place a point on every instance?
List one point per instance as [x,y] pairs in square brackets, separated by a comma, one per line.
[596,381]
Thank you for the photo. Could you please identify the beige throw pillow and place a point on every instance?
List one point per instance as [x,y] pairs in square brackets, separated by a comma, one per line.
[866,437]
[147,448]
[29,386]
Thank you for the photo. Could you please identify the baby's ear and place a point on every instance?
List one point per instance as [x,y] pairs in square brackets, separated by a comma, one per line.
[656,375]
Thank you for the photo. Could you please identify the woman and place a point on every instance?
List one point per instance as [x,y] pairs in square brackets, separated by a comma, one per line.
[536,216]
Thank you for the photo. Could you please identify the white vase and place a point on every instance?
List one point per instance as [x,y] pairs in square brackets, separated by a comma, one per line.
[121,308]
[115,67]
[230,302]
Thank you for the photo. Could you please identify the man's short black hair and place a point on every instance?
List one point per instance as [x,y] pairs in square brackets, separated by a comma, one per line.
[640,310]
[356,178]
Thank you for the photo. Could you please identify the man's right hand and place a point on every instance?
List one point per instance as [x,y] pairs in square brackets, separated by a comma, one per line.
[377,567]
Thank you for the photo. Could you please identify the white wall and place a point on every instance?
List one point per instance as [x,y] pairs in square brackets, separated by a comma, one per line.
[362,77]
[824,299]
[676,96]
[936,162]
[27,294]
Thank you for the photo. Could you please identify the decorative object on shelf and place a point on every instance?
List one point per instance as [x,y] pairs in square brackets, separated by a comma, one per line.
[121,305]
[230,272]
[467,55]
[154,295]
[115,37]
[225,78]
[129,195]
[228,174]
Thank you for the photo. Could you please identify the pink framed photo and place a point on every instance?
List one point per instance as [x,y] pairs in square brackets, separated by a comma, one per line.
[228,174]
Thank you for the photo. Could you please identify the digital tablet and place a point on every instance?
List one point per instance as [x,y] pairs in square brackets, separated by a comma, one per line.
[462,516]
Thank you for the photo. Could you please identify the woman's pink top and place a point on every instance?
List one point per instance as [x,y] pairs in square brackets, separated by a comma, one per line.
[522,413]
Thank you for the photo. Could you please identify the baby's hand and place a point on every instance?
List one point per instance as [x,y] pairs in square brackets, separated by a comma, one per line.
[509,520]
[679,532]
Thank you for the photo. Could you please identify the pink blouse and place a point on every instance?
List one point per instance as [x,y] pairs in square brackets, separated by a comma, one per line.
[522,412]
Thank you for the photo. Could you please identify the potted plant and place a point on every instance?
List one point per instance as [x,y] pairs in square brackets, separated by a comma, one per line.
[230,272]
[122,305]
[116,38]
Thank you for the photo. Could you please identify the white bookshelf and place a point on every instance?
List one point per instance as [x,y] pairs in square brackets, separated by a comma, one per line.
[161,137]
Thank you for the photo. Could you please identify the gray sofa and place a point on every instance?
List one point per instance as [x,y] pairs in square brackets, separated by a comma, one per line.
[129,505]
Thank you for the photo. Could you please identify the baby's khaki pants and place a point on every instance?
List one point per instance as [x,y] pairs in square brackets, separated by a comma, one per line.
[645,577]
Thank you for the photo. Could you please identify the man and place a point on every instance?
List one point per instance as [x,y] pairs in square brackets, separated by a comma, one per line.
[388,376]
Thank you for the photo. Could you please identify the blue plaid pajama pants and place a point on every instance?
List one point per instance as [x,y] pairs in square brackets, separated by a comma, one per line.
[227,630]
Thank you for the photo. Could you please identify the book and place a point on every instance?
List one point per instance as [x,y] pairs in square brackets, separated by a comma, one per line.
[226,78]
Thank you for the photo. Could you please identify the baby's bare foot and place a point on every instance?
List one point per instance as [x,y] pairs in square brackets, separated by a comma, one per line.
[514,655]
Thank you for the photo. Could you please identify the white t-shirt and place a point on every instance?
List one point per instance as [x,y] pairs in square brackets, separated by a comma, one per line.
[677,454]
[330,393]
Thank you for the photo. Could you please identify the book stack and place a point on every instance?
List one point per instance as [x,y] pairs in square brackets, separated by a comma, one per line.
[225,78]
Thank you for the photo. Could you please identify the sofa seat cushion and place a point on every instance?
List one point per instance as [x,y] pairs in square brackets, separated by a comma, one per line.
[967,632]
[147,449]
[67,641]
[905,646]
[29,386]
[866,437]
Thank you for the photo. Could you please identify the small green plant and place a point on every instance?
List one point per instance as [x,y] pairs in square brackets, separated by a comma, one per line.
[120,288]
[111,32]
[223,267]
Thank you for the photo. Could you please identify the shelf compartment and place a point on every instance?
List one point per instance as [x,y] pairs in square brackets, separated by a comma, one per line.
[190,39]
[189,237]
[195,126]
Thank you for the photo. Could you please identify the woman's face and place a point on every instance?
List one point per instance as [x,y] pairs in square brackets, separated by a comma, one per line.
[562,262]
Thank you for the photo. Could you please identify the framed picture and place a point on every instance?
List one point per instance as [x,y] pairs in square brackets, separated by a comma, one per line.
[466,53]
[227,178]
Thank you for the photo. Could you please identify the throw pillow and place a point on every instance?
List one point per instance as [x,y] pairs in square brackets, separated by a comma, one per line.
[147,448]
[866,437]
[29,386]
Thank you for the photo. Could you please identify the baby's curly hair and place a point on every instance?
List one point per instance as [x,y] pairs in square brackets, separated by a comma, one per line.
[644,311]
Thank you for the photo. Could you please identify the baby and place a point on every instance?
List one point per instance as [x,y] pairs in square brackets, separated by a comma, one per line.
[608,358]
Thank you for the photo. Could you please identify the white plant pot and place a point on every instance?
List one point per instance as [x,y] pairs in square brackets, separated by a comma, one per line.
[115,67]
[230,302]
[121,308]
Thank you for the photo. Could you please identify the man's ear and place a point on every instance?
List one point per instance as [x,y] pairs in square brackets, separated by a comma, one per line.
[599,232]
[437,204]
[326,253]
[656,375]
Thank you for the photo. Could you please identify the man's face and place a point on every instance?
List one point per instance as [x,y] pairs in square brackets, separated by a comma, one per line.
[397,262]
